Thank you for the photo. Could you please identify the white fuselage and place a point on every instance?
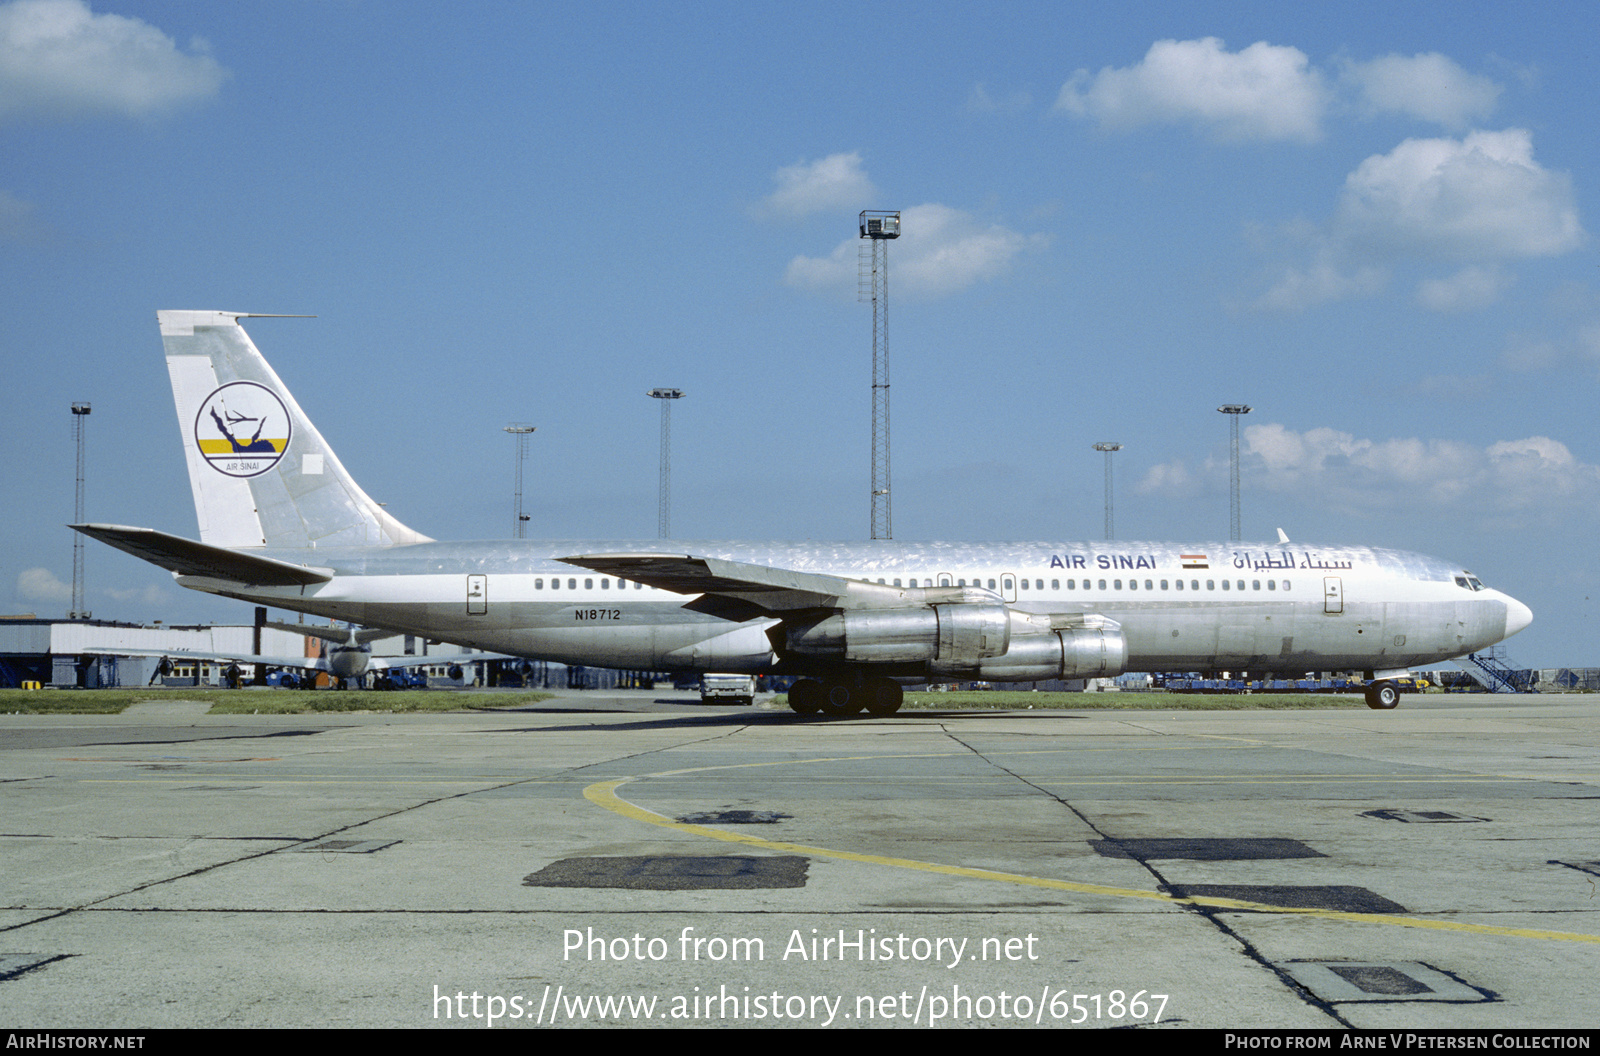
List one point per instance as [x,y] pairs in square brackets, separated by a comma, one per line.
[1268,608]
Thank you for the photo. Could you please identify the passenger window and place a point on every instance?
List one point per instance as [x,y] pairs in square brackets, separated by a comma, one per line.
[1055,584]
[1225,584]
[1241,584]
[1024,584]
[1147,585]
[1178,583]
[991,584]
[1163,584]
[1255,584]
[1211,584]
[1286,584]
[1272,584]
[572,584]
[1102,584]
[605,584]
[538,584]
[588,584]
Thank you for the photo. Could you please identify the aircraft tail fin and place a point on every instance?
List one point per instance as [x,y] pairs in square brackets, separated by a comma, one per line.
[261,473]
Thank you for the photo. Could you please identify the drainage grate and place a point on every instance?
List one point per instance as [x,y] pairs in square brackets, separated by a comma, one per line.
[735,817]
[347,846]
[1419,816]
[674,872]
[1378,981]
[1205,850]
[1333,896]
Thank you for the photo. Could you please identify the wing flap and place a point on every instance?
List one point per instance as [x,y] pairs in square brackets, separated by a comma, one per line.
[185,557]
[769,589]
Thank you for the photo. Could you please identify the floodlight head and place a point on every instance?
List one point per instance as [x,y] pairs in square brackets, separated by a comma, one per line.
[880,223]
[1107,447]
[667,394]
[1234,408]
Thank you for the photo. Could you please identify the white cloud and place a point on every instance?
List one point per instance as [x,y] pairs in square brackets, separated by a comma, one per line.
[149,595]
[979,101]
[1262,92]
[1479,197]
[1471,287]
[1431,87]
[833,182]
[1318,283]
[1479,200]
[940,251]
[58,59]
[40,584]
[1345,471]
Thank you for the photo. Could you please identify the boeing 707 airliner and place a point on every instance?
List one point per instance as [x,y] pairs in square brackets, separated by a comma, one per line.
[283,524]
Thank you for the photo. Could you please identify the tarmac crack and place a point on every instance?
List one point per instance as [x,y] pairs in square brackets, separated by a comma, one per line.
[1209,913]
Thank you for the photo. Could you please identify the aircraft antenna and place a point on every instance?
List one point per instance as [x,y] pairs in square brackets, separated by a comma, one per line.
[1233,411]
[664,501]
[1108,448]
[520,430]
[878,227]
[80,411]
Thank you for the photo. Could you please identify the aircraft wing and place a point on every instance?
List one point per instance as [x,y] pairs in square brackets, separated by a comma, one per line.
[392,663]
[762,587]
[304,663]
[185,557]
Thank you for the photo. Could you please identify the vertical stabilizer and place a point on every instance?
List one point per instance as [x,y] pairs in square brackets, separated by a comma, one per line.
[262,475]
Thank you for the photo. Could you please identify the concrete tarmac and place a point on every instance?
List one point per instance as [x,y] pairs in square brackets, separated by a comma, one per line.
[635,859]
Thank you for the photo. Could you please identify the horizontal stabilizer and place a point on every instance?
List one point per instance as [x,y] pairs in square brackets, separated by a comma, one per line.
[330,633]
[185,557]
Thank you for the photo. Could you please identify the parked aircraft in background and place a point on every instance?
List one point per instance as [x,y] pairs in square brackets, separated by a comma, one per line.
[283,524]
[348,656]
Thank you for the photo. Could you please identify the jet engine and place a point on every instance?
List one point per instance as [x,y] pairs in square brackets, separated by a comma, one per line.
[963,633]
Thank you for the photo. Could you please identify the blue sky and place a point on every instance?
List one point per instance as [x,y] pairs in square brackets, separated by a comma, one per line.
[1371,222]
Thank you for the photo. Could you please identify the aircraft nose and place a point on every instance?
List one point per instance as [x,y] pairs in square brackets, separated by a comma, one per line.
[1518,616]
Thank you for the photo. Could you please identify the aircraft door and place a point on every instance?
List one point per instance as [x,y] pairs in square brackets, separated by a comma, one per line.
[1332,595]
[477,595]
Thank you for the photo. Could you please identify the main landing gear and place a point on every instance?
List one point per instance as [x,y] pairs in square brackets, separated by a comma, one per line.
[1383,695]
[877,696]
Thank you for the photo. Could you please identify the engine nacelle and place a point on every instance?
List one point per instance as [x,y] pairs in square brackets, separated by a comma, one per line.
[959,633]
[1038,652]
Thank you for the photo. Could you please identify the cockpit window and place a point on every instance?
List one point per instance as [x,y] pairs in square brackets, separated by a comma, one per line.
[1468,581]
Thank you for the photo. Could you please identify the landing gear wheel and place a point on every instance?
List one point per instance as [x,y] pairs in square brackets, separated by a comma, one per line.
[883,696]
[840,698]
[805,697]
[1383,696]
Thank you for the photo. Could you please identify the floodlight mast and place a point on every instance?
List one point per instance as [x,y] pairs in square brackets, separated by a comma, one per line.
[520,430]
[878,228]
[1233,411]
[664,499]
[1108,448]
[80,411]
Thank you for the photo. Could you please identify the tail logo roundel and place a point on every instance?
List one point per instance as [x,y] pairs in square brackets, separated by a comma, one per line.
[242,429]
